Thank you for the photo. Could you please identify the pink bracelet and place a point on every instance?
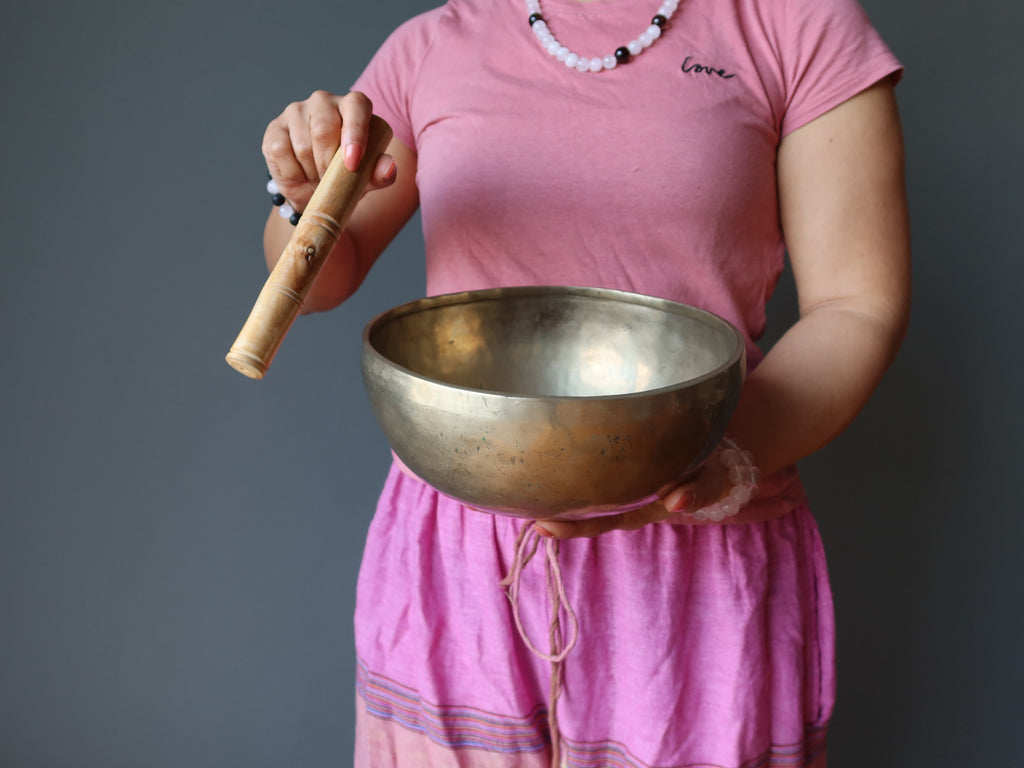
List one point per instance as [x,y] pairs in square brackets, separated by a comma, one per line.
[743,475]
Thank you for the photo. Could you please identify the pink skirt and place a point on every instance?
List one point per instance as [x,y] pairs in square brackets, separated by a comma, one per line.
[698,645]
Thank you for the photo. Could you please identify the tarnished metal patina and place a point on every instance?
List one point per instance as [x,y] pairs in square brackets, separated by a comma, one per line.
[551,402]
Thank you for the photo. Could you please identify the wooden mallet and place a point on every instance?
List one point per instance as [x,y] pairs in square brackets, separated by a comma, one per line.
[289,283]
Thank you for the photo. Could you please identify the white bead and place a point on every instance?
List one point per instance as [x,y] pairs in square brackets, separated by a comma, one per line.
[286,211]
[728,507]
[701,514]
[730,457]
[595,64]
[716,513]
[272,187]
[740,494]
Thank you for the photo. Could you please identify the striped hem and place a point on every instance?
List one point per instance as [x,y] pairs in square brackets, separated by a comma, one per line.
[456,727]
[449,726]
[607,754]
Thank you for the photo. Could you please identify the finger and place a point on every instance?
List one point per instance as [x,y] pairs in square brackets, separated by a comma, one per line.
[284,167]
[681,499]
[324,129]
[297,125]
[585,529]
[355,109]
[706,487]
[595,526]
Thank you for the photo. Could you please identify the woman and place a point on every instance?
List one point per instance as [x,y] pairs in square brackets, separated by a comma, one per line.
[684,169]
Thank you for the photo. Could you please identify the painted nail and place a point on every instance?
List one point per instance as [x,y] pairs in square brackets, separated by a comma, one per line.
[543,532]
[353,156]
[685,502]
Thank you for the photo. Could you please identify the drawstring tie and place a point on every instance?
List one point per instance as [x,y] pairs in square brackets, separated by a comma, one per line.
[559,646]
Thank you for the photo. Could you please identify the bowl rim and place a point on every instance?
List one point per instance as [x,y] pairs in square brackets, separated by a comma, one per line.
[738,353]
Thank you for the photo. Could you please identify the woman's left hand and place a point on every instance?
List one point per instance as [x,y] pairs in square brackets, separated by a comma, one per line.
[705,488]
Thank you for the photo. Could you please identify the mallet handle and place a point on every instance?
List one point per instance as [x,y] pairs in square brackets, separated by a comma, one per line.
[289,283]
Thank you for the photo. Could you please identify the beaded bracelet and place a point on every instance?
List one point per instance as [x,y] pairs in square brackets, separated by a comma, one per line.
[744,477]
[286,211]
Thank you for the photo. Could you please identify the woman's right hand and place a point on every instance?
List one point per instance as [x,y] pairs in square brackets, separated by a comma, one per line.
[299,144]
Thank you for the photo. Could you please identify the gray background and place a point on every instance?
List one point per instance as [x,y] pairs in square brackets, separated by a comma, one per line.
[179,545]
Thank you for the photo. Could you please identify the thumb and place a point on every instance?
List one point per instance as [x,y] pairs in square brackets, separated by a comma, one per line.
[384,173]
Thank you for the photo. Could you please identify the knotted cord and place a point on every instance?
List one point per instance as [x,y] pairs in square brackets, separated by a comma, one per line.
[527,544]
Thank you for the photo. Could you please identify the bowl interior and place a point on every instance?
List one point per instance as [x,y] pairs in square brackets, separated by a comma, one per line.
[555,344]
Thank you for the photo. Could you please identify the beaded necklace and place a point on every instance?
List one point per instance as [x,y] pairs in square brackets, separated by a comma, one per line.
[622,54]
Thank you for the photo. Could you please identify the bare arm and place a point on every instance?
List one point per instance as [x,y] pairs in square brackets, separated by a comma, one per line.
[298,146]
[844,214]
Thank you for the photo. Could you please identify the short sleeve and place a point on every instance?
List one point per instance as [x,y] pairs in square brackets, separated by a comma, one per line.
[390,77]
[829,53]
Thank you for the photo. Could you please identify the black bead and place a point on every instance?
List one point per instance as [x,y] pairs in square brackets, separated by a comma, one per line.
[659,20]
[534,18]
[277,199]
[294,218]
[622,54]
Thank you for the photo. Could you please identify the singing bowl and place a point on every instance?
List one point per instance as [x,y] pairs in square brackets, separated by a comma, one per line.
[552,402]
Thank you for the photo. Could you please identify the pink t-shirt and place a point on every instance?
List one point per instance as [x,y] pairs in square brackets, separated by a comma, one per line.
[657,176]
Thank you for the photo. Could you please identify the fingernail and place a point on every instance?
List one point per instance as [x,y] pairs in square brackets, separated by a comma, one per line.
[353,155]
[684,502]
[543,532]
[389,174]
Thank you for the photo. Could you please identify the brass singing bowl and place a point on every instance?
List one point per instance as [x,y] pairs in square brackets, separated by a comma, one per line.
[552,402]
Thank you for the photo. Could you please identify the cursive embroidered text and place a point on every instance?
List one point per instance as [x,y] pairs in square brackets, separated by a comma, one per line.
[704,69]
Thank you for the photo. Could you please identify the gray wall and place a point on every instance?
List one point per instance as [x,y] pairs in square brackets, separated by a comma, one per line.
[178,545]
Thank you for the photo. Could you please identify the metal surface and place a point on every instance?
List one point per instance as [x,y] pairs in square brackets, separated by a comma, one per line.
[552,402]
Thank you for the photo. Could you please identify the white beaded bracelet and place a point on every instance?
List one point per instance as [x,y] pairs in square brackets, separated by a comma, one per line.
[743,475]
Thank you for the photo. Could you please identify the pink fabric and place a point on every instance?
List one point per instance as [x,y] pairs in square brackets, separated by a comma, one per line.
[644,178]
[699,645]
